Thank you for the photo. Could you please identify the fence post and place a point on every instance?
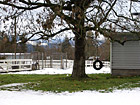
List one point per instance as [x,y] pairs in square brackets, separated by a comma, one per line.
[38,61]
[7,65]
[50,61]
[66,60]
[20,64]
[45,58]
[42,61]
[62,62]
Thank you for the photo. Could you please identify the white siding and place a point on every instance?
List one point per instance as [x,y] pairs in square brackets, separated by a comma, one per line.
[126,56]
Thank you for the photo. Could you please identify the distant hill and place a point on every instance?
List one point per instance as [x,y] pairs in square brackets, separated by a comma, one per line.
[50,44]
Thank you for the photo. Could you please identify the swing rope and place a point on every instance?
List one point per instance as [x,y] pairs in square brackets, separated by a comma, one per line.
[97,61]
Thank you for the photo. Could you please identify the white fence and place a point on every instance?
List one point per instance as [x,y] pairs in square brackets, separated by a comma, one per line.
[90,63]
[66,63]
[15,65]
[55,64]
[26,64]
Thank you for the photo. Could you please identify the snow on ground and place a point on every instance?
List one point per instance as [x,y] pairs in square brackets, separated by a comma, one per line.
[28,97]
[125,97]
[89,70]
[13,84]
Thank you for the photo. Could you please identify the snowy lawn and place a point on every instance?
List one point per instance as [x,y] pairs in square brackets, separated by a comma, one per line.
[124,97]
[28,97]
[89,70]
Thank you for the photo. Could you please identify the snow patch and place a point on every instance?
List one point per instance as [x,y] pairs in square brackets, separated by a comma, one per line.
[13,84]
[119,97]
[89,70]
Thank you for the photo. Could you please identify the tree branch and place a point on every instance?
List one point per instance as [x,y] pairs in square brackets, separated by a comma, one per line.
[47,36]
[31,5]
[106,15]
[44,35]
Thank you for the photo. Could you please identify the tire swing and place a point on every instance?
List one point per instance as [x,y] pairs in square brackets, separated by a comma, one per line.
[97,64]
[97,67]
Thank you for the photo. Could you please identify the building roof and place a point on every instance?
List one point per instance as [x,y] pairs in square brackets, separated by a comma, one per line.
[124,37]
[10,54]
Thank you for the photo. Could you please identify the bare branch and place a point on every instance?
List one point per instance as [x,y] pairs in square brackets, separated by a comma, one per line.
[30,5]
[44,35]
[106,15]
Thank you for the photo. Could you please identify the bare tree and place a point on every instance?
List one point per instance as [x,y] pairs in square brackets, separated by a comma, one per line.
[44,18]
[104,50]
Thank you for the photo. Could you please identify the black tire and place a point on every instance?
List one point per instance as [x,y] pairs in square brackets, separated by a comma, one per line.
[100,64]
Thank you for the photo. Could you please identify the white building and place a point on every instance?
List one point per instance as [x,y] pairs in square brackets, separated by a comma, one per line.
[125,54]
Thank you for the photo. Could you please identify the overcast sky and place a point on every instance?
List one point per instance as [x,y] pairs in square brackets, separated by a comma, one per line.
[123,9]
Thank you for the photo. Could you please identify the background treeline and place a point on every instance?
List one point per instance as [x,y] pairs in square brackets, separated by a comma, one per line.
[7,45]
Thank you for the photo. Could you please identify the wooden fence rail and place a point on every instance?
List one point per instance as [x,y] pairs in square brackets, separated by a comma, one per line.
[66,64]
[15,65]
[27,64]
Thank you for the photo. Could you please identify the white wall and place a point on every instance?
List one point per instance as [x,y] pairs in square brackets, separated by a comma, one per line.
[125,56]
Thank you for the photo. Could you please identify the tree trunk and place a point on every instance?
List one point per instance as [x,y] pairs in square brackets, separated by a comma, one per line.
[80,33]
[79,60]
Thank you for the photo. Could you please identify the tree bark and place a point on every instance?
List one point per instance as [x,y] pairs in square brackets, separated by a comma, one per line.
[79,60]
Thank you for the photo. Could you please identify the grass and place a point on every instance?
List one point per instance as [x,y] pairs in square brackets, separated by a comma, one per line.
[61,83]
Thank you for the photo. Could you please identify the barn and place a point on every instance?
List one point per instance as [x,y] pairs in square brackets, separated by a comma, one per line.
[125,54]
